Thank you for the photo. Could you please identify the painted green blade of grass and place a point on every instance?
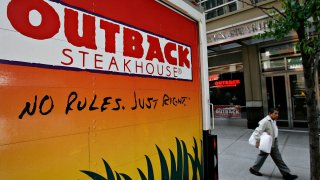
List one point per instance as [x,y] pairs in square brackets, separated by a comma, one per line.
[179,160]
[164,166]
[196,154]
[93,175]
[174,174]
[199,167]
[185,162]
[109,172]
[118,176]
[150,169]
[126,177]
[195,149]
[197,159]
[142,176]
[194,167]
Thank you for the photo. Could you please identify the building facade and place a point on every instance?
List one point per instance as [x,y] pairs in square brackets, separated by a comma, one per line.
[247,76]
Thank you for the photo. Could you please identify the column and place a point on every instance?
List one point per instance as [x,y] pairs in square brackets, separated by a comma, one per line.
[252,80]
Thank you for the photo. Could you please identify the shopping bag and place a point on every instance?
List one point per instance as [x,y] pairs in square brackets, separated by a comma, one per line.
[265,143]
[252,140]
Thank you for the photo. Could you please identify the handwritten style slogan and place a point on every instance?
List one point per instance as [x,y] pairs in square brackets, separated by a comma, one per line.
[74,102]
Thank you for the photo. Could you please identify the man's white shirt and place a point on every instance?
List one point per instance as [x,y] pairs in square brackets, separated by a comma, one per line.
[275,128]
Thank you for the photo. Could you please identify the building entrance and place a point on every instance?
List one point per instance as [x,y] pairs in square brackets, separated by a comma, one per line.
[286,92]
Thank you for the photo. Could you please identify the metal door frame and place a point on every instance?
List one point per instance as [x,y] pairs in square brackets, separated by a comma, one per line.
[288,93]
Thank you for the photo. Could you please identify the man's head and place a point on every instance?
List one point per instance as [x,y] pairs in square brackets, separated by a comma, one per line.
[274,113]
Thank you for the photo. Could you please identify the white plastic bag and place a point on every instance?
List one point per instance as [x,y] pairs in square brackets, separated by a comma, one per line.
[265,143]
[252,140]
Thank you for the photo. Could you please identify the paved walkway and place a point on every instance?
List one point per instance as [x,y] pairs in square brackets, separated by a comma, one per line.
[236,156]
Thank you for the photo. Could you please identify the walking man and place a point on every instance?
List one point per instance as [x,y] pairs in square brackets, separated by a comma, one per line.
[268,125]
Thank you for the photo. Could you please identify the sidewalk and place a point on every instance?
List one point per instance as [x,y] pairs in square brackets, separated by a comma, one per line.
[236,156]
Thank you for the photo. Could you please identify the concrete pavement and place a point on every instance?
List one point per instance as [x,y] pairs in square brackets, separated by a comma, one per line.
[236,156]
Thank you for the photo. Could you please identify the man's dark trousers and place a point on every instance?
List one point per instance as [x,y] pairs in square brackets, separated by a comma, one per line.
[276,157]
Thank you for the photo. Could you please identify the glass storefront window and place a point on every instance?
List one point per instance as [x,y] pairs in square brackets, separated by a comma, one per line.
[298,97]
[281,57]
[285,85]
[273,65]
[278,51]
[227,92]
[294,63]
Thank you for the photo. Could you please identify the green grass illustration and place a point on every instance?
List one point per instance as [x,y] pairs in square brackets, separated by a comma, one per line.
[179,166]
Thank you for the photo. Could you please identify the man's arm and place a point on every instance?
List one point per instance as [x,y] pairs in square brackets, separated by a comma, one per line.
[258,131]
[257,144]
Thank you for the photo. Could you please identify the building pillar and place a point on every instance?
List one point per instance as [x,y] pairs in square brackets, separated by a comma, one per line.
[252,80]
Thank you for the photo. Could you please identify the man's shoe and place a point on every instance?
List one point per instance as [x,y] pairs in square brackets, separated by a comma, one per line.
[290,177]
[257,173]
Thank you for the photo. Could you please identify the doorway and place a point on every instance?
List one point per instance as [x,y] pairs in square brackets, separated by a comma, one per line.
[287,93]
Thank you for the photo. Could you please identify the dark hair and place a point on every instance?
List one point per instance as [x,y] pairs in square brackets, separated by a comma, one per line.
[272,110]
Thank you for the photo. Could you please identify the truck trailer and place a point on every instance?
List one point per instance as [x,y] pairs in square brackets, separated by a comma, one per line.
[102,89]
